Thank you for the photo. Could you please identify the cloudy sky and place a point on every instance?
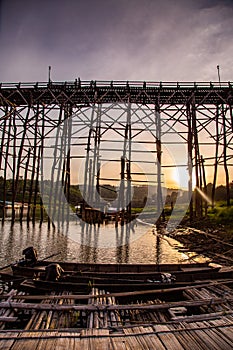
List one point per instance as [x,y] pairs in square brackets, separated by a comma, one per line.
[182,40]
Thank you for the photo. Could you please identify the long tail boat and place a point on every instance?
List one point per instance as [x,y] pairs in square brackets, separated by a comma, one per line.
[129,271]
[83,283]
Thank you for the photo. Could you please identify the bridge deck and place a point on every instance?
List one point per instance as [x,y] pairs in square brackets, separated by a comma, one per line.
[89,92]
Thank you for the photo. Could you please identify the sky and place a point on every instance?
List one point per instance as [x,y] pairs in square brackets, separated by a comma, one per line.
[147,40]
[182,40]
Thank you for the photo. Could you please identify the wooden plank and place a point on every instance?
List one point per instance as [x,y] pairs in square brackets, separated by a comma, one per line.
[142,339]
[154,340]
[132,341]
[216,338]
[169,339]
[101,343]
[208,340]
[74,341]
[25,341]
[222,335]
[199,337]
[118,343]
[85,340]
[220,341]
[225,333]
[145,339]
[5,344]
[62,341]
[46,342]
[186,340]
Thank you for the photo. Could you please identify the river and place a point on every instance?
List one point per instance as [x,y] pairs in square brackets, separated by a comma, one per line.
[85,244]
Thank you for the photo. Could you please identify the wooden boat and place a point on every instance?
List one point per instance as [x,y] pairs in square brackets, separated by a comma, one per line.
[143,278]
[179,274]
[82,284]
[85,288]
[124,270]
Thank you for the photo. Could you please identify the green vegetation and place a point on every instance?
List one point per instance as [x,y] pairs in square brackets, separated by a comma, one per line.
[221,214]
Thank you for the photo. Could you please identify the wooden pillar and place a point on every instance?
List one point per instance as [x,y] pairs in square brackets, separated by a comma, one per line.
[159,165]
[94,170]
[51,209]
[13,189]
[67,181]
[21,148]
[128,167]
[86,184]
[121,201]
[36,185]
[128,172]
[6,164]
[190,162]
[225,146]
[204,183]
[42,168]
[4,131]
[61,172]
[216,155]
[33,169]
[98,180]
[198,199]
[231,115]
[25,184]
[89,183]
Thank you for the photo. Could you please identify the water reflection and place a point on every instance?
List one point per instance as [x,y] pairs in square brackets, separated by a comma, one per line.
[148,248]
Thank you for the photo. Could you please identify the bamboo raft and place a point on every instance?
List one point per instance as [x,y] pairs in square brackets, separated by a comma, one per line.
[198,316]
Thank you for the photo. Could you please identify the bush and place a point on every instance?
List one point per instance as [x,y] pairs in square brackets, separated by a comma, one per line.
[225,215]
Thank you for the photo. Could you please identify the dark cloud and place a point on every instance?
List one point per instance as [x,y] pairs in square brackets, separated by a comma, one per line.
[116,39]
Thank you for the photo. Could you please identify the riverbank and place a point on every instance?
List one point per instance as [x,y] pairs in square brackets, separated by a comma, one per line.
[207,237]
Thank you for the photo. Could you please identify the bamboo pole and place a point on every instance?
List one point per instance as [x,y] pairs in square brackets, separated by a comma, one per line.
[13,189]
[216,155]
[42,167]
[67,182]
[3,139]
[204,183]
[201,200]
[36,184]
[86,186]
[128,167]
[225,146]
[60,178]
[25,184]
[95,151]
[198,199]
[20,152]
[111,306]
[51,208]
[190,162]
[122,189]
[33,171]
[159,165]
[231,115]
[6,167]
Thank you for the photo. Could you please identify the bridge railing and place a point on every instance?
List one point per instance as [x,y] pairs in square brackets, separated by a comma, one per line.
[117,83]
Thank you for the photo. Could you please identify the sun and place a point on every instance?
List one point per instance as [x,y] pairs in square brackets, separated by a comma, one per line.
[181,177]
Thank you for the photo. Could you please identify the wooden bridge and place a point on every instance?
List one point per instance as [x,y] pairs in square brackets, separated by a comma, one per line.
[54,134]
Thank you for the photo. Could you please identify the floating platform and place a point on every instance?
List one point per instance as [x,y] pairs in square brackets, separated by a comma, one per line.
[197,316]
[195,335]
